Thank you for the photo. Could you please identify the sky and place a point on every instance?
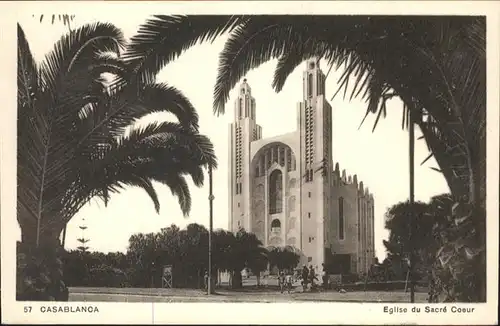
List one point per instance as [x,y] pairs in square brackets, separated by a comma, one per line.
[379,158]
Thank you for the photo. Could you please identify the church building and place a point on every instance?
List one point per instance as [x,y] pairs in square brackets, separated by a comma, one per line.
[287,190]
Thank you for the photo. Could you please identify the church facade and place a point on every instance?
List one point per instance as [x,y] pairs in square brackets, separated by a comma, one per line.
[287,190]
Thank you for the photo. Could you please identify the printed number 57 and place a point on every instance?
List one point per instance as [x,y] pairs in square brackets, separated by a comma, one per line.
[27,309]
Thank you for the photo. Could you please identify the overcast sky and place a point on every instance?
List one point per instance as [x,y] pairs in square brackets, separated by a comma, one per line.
[380,159]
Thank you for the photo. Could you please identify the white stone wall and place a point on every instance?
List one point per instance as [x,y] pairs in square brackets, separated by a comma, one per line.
[310,215]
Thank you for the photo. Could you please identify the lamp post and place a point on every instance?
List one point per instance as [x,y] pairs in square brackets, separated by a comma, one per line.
[412,200]
[210,228]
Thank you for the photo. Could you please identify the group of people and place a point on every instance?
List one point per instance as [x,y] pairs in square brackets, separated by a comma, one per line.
[308,277]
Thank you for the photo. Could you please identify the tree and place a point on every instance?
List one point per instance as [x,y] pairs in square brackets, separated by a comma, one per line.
[283,258]
[186,250]
[142,254]
[435,228]
[246,251]
[71,141]
[259,264]
[385,57]
[399,246]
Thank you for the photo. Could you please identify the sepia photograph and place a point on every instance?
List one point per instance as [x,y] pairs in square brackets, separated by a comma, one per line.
[176,157]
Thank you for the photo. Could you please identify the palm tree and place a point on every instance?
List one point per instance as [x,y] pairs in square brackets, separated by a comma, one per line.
[74,111]
[435,65]
[286,257]
[245,251]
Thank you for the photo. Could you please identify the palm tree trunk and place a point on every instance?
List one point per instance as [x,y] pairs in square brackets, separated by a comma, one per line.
[237,281]
[39,267]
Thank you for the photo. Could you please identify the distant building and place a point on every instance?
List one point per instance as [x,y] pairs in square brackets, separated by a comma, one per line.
[287,191]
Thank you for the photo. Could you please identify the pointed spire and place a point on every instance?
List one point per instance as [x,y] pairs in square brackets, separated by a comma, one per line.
[244,106]
[355,180]
[313,63]
[361,189]
[245,87]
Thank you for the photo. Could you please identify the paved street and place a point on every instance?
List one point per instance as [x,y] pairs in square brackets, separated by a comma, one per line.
[189,295]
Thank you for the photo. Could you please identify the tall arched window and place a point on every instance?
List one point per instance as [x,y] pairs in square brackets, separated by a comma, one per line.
[341,218]
[310,85]
[240,107]
[246,106]
[275,192]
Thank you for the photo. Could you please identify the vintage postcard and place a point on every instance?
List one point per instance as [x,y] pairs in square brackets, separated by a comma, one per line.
[323,162]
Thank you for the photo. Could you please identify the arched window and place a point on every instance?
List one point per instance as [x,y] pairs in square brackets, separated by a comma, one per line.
[341,218]
[246,106]
[276,226]
[309,85]
[275,192]
[240,107]
[290,161]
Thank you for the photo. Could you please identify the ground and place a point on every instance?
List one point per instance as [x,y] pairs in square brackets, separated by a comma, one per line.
[249,293]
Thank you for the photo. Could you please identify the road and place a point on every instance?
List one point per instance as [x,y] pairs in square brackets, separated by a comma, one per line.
[189,295]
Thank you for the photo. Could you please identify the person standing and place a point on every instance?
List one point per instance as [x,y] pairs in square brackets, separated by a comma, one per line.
[324,277]
[281,280]
[206,281]
[305,277]
[312,277]
[289,281]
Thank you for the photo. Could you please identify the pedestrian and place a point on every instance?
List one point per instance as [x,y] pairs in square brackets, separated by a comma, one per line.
[206,281]
[281,280]
[324,276]
[305,277]
[312,277]
[289,281]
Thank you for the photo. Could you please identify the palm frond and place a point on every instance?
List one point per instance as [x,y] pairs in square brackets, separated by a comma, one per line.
[162,38]
[475,36]
[161,151]
[64,18]
[45,141]
[145,184]
[27,80]
[299,53]
[251,44]
[165,98]
[179,188]
[80,46]
[119,110]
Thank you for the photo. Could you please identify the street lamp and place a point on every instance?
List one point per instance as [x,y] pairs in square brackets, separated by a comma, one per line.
[412,201]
